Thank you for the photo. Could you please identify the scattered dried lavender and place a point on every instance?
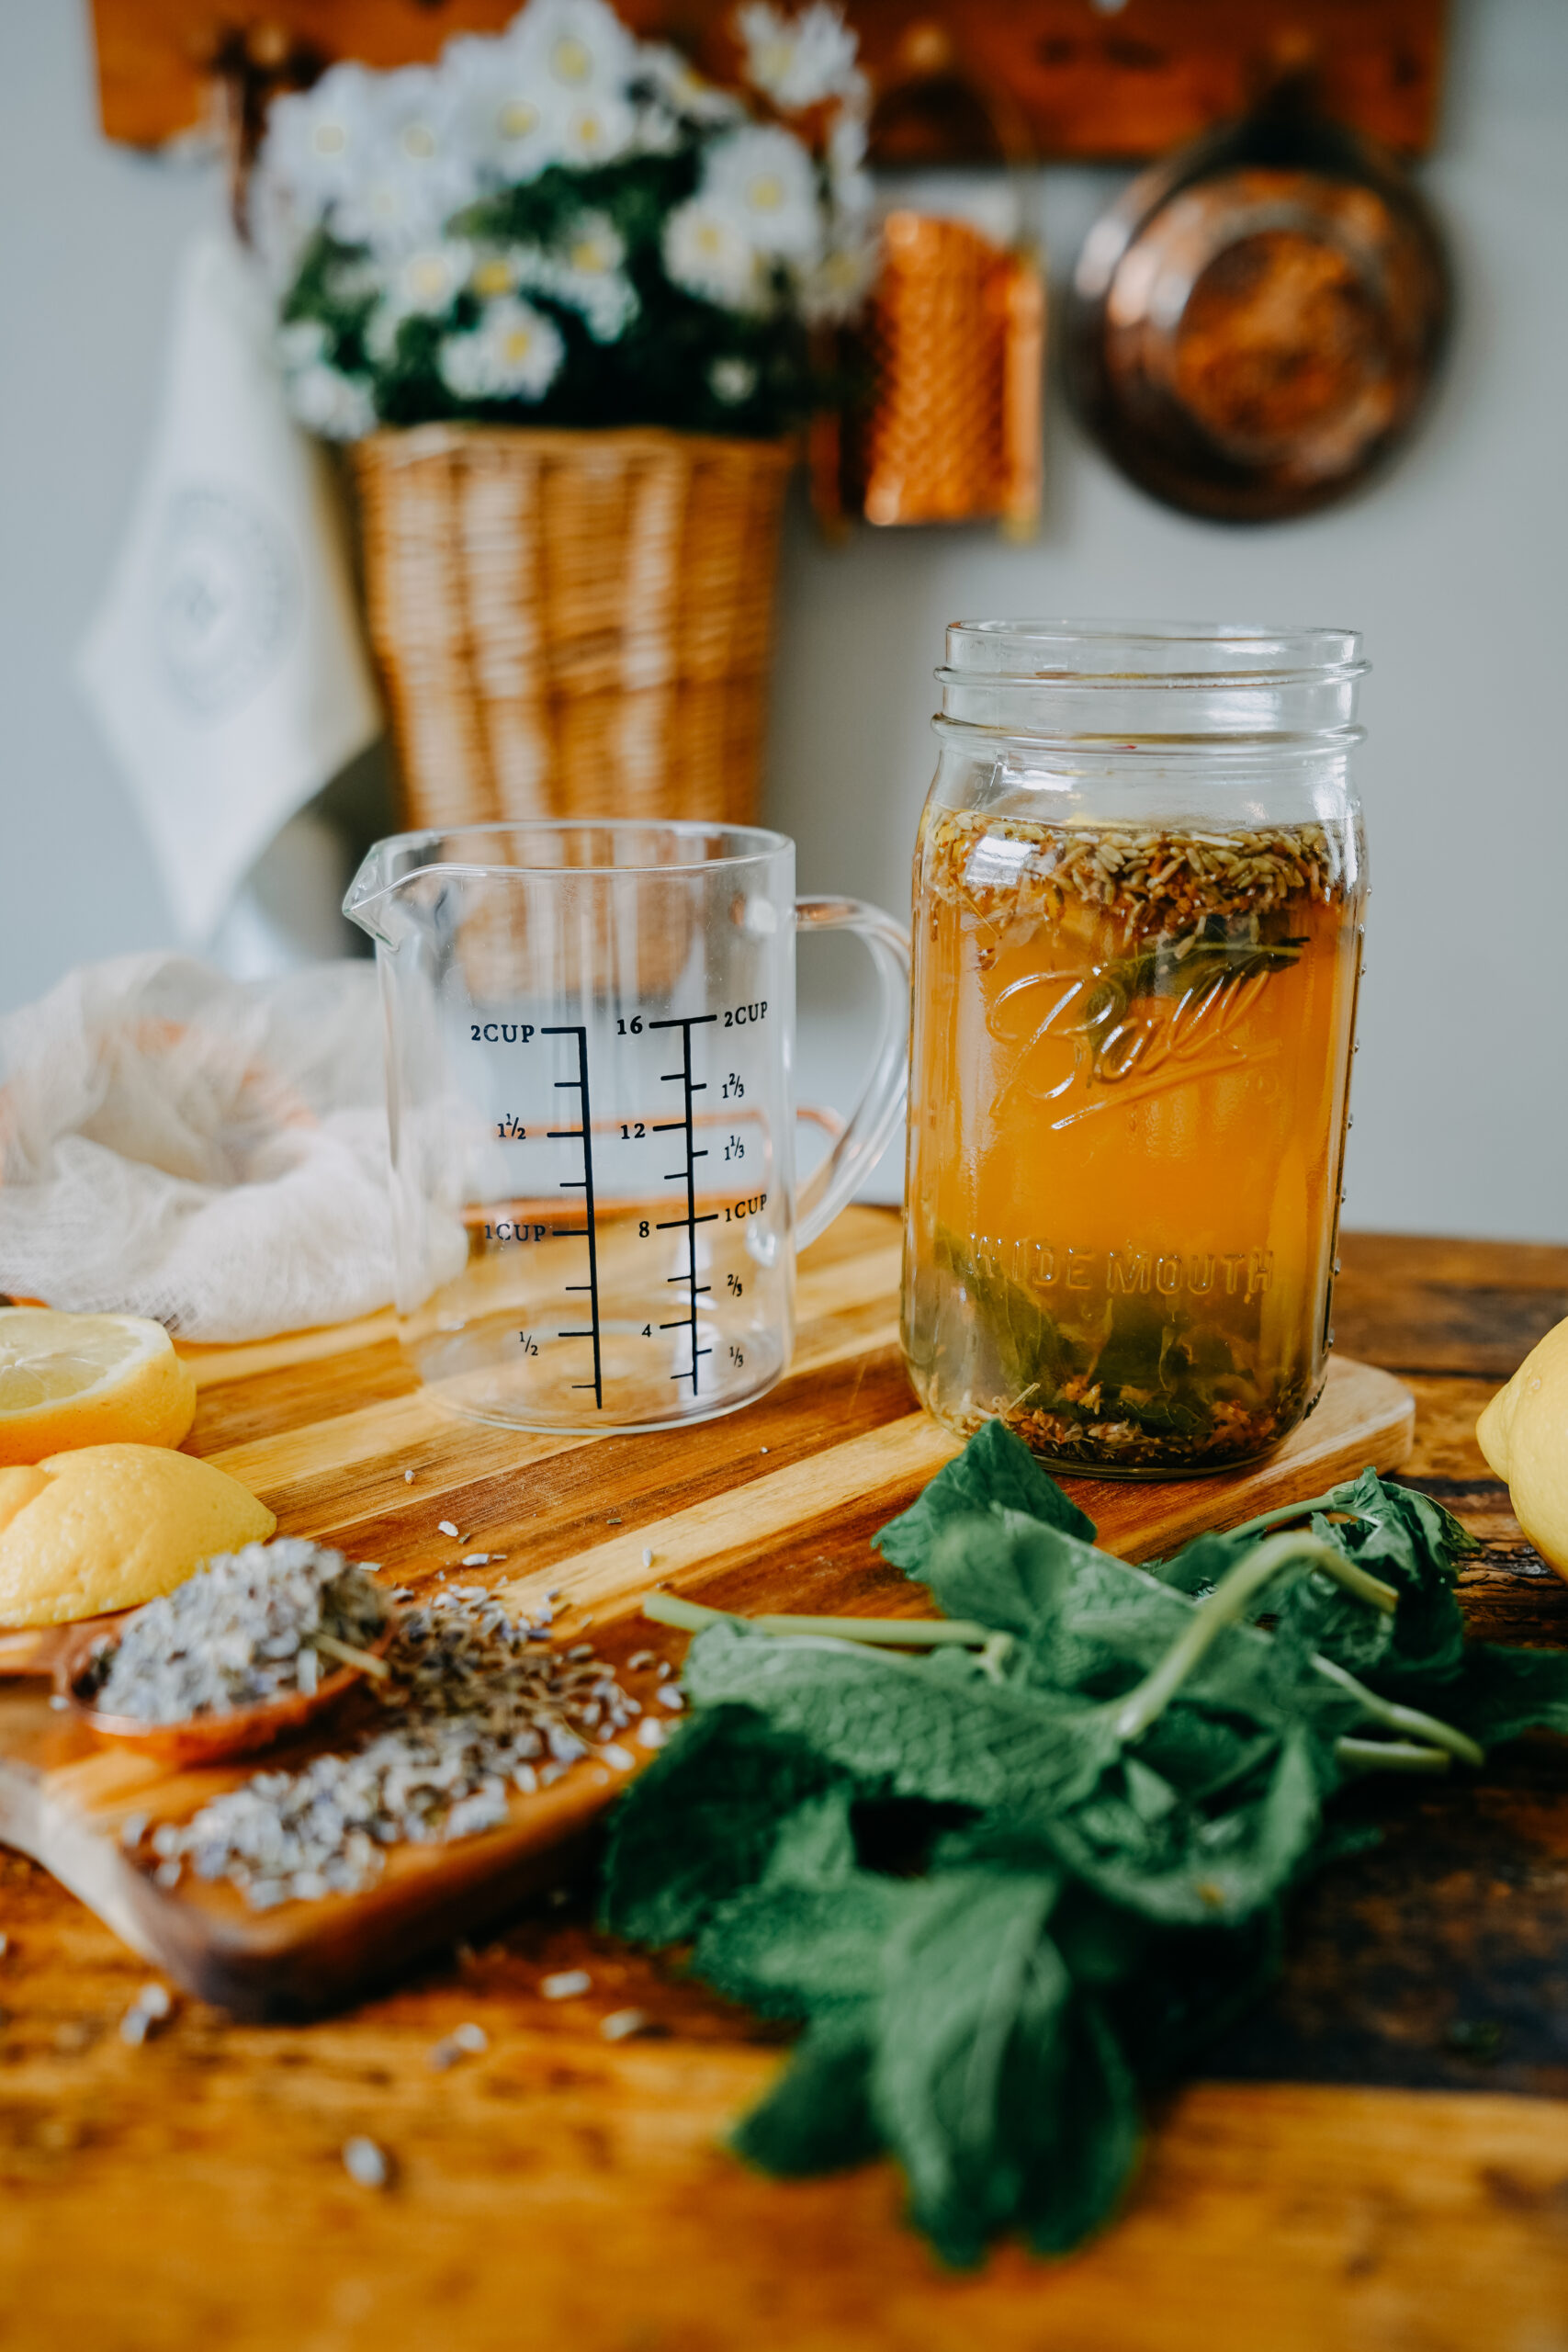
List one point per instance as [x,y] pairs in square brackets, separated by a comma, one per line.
[152,2008]
[482,1711]
[367,2162]
[251,1625]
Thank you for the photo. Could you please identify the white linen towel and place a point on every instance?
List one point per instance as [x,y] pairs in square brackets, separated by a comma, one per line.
[226,664]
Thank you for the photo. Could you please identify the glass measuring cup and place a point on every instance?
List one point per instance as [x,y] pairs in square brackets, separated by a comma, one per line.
[590,1095]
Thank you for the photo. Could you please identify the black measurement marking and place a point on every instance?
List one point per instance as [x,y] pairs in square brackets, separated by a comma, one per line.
[691,1220]
[584,1184]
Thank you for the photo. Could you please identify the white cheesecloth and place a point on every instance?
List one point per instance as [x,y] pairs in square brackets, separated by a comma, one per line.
[208,1151]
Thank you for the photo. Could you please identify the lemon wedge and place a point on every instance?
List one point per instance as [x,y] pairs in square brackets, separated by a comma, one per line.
[107,1527]
[70,1380]
[1524,1435]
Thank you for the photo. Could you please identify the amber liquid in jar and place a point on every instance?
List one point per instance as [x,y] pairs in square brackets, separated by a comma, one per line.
[1127,1112]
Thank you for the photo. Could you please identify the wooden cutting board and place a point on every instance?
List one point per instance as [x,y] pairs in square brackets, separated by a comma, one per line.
[770,1508]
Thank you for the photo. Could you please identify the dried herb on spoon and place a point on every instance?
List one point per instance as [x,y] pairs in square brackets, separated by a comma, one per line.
[1011,1884]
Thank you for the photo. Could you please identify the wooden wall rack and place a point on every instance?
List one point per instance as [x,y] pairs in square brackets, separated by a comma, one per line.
[1090,80]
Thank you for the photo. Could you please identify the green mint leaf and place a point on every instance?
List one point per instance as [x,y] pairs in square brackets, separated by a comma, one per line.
[1199,1566]
[1005,1570]
[1317,1615]
[903,1728]
[998,2084]
[811,1932]
[817,2116]
[794,1950]
[703,1821]
[971,1956]
[1188,1867]
[1084,2160]
[1444,1538]
[1414,1544]
[995,1468]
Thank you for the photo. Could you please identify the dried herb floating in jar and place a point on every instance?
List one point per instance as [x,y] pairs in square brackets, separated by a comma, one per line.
[1128,1102]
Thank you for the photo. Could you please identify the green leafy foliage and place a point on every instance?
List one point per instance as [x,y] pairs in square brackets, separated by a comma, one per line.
[995,1472]
[1098,1819]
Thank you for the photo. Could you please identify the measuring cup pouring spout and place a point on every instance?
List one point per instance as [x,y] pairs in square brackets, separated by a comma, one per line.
[591,1105]
[400,892]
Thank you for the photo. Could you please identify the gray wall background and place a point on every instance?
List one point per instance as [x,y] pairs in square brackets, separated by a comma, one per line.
[1453,568]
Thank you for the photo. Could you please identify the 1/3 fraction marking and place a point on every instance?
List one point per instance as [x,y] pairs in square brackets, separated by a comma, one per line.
[691,1221]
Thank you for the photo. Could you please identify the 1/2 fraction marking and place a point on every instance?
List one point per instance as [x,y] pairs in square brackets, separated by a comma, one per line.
[584,1184]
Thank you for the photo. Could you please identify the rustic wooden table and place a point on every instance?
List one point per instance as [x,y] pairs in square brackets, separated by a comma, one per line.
[1378,2160]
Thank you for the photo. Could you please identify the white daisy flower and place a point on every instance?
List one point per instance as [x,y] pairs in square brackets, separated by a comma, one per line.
[422,284]
[319,140]
[326,401]
[419,170]
[596,129]
[801,61]
[552,89]
[762,179]
[683,88]
[514,353]
[732,380]
[708,253]
[585,273]
[512,128]
[318,143]
[582,46]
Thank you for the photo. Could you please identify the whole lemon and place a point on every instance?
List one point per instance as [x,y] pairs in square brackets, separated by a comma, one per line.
[1524,1435]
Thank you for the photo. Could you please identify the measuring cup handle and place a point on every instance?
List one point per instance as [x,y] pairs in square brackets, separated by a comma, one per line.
[857,1150]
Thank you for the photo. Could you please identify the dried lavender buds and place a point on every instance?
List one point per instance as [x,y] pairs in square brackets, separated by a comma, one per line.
[243,1629]
[481,1710]
[1155,877]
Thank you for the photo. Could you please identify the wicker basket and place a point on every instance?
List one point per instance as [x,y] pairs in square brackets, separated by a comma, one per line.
[572,623]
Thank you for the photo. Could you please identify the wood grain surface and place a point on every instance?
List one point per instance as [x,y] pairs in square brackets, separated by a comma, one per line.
[1378,2159]
[770,1508]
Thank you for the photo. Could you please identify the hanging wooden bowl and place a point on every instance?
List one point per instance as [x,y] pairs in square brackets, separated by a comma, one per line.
[1255,324]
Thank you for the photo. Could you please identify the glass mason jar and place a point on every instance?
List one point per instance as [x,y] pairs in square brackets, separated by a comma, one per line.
[1138,894]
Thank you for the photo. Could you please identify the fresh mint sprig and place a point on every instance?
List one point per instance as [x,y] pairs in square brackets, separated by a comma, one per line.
[1013,1865]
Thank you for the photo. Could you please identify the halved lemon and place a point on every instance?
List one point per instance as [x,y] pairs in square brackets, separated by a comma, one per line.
[71,1380]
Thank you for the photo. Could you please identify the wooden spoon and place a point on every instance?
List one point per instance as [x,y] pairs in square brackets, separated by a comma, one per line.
[65,1653]
[38,1649]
